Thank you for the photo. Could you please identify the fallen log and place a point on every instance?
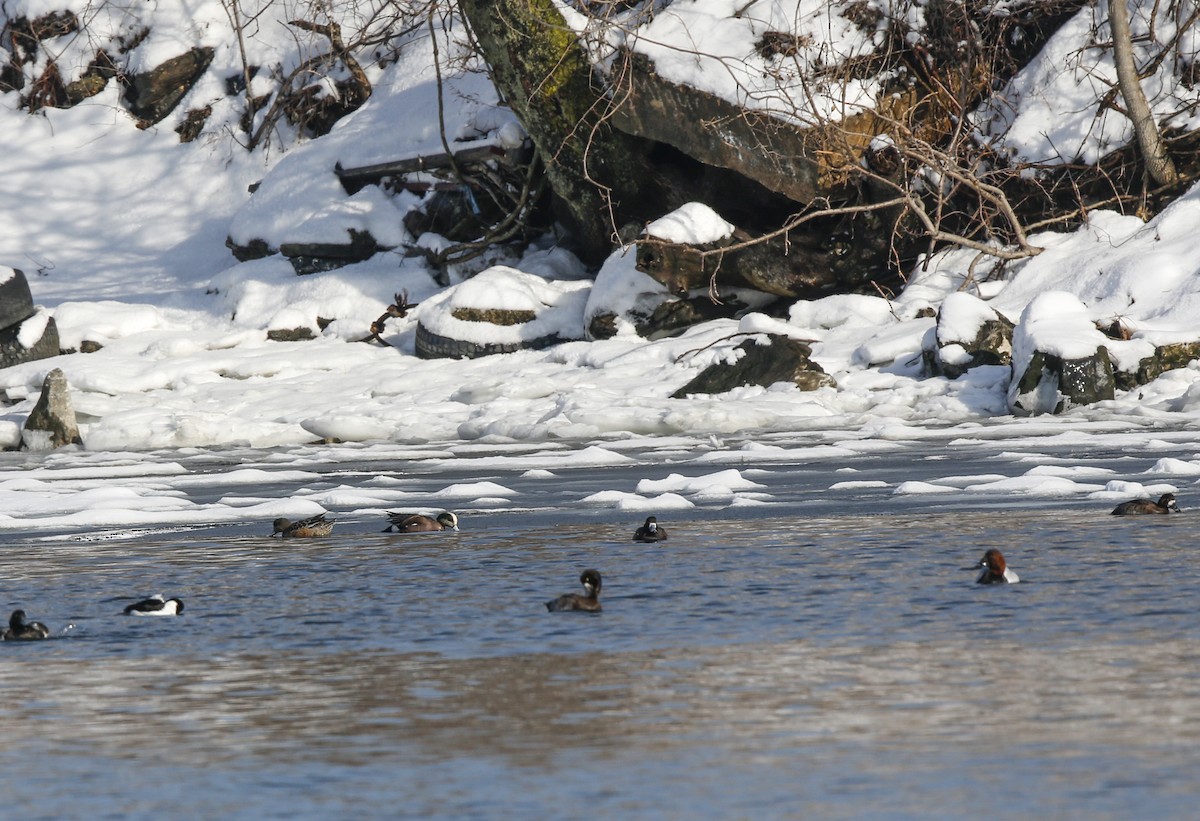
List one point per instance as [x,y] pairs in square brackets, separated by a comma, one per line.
[356,178]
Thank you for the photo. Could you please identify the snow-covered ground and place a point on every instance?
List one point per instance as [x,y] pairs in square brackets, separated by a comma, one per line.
[121,233]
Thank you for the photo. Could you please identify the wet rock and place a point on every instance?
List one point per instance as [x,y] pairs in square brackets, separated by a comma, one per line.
[969,333]
[782,359]
[51,424]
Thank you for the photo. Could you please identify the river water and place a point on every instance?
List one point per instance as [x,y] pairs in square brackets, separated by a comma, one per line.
[824,656]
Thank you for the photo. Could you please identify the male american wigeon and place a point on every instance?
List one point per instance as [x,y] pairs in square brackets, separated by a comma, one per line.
[589,601]
[420,523]
[995,569]
[650,531]
[21,630]
[312,526]
[1165,504]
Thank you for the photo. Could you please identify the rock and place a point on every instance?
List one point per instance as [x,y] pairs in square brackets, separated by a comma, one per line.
[153,94]
[969,334]
[51,424]
[671,316]
[783,359]
[1051,384]
[35,338]
[16,302]
[1165,358]
[1059,359]
[300,334]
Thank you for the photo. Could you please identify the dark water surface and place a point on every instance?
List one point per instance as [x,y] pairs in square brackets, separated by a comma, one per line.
[790,666]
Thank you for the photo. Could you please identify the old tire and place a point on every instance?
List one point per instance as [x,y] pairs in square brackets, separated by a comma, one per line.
[433,346]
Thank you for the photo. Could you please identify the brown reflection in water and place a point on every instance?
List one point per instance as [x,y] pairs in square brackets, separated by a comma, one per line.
[356,708]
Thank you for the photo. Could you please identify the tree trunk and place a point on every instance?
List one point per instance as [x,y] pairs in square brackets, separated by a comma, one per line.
[1150,141]
[598,174]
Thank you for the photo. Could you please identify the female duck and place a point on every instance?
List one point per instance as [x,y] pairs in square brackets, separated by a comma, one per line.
[650,531]
[995,569]
[312,526]
[21,630]
[155,606]
[418,523]
[590,601]
[1165,504]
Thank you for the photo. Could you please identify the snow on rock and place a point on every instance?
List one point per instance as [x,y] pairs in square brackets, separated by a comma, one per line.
[693,223]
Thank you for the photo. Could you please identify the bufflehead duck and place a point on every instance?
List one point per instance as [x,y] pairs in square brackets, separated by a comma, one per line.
[650,531]
[21,630]
[590,601]
[1165,504]
[995,570]
[155,606]
[419,523]
[312,526]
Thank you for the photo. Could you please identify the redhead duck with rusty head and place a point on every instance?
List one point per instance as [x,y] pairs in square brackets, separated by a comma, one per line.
[995,569]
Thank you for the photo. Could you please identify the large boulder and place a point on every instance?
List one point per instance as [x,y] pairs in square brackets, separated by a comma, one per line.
[969,333]
[51,423]
[780,359]
[34,338]
[16,302]
[152,95]
[1060,359]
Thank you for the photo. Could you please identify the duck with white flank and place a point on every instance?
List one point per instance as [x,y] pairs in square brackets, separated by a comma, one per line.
[995,569]
[21,630]
[156,605]
[420,523]
[589,601]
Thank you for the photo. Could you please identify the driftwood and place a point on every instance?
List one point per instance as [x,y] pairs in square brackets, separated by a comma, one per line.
[354,179]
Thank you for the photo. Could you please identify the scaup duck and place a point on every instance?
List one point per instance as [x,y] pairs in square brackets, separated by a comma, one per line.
[155,606]
[650,531]
[419,523]
[1165,504]
[995,569]
[312,526]
[21,630]
[590,601]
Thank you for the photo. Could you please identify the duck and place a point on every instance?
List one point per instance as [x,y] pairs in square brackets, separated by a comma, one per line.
[21,630]
[419,523]
[650,531]
[156,605]
[312,526]
[1165,504]
[995,569]
[590,601]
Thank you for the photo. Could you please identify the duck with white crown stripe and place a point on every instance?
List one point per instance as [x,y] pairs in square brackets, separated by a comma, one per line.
[156,605]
